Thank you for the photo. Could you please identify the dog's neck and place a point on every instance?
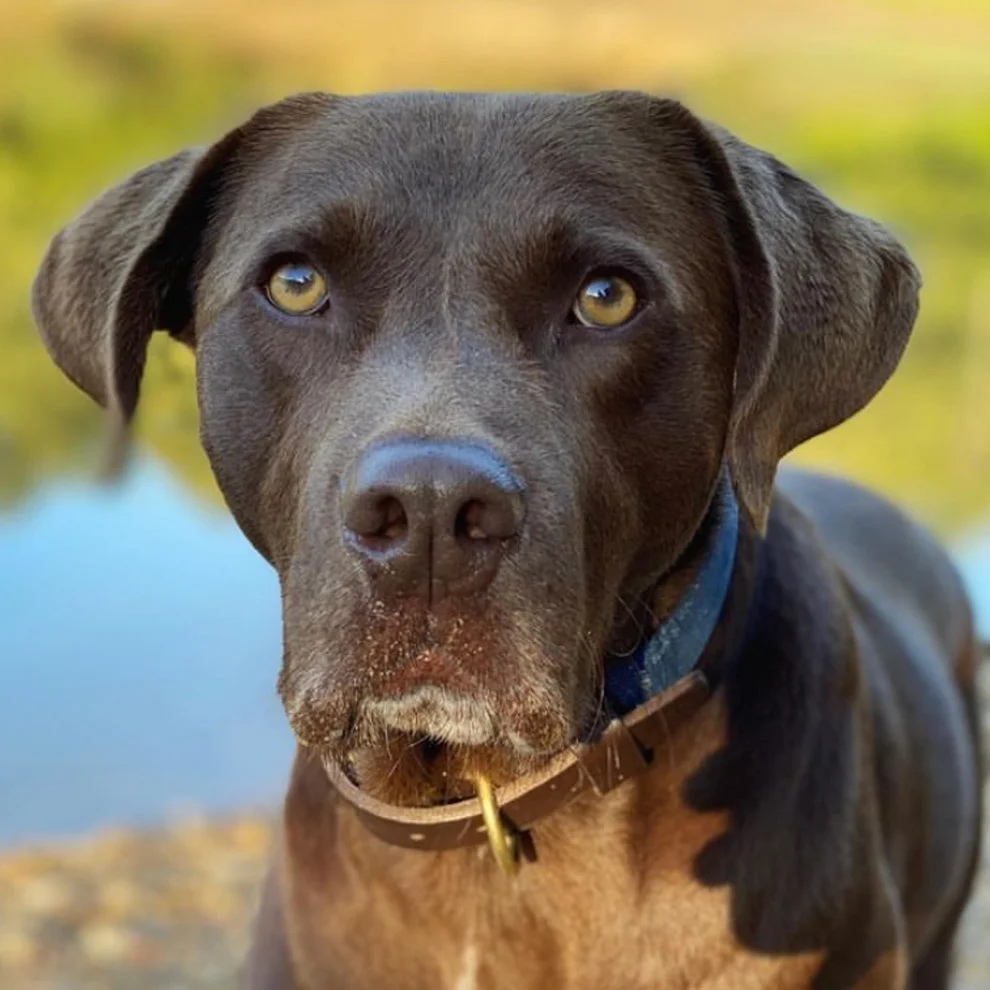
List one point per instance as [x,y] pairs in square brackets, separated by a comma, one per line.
[676,646]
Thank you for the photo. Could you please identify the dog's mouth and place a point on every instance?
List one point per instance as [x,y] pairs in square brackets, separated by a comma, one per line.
[414,770]
[429,748]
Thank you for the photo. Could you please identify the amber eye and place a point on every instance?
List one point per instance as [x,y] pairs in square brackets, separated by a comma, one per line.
[605,302]
[297,288]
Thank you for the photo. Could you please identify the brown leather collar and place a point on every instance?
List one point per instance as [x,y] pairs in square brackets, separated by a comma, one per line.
[625,749]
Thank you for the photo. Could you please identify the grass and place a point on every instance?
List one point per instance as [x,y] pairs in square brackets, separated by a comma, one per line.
[886,104]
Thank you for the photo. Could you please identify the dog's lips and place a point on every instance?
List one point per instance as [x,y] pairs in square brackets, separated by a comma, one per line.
[423,771]
[429,746]
[432,711]
[413,699]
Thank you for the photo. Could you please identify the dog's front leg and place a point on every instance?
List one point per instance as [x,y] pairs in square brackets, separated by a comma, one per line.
[269,966]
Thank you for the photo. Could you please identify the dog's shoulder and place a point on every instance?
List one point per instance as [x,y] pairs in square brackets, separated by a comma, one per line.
[895,571]
[912,648]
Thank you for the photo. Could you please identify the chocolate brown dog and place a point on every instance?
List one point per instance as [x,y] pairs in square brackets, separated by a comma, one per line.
[499,385]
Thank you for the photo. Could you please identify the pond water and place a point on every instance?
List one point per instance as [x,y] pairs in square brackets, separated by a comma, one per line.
[140,642]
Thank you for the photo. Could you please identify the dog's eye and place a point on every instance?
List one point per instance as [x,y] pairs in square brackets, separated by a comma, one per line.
[605,302]
[297,288]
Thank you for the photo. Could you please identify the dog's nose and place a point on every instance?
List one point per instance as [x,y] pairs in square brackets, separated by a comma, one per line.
[431,518]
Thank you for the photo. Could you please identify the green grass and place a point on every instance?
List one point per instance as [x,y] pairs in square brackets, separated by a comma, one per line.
[895,126]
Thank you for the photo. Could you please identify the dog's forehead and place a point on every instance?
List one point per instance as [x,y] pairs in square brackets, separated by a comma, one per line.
[433,149]
[398,182]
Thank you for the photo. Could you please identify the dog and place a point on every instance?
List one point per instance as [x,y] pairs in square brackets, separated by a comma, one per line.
[587,695]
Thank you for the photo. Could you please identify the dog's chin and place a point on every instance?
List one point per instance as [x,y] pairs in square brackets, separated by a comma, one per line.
[420,771]
[429,748]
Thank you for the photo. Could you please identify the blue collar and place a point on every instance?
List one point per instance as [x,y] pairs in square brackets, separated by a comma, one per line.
[675,648]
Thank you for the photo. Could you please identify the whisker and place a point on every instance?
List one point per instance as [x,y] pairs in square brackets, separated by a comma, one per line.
[598,679]
[635,614]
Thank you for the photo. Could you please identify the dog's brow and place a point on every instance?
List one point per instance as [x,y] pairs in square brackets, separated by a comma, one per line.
[570,246]
[327,233]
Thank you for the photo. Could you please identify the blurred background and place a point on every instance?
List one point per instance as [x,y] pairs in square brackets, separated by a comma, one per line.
[139,633]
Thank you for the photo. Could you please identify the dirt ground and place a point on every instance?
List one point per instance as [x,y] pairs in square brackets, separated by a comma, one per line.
[171,909]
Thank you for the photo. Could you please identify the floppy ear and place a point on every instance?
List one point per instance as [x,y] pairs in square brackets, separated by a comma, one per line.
[826,302]
[124,268]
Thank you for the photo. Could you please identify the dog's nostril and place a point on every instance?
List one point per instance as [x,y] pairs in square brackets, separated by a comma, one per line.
[378,523]
[395,523]
[487,519]
[469,524]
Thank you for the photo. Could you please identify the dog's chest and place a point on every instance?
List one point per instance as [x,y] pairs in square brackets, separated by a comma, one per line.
[612,901]
[601,922]
[610,923]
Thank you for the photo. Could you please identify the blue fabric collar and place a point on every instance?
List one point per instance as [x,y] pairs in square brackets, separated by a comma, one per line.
[676,647]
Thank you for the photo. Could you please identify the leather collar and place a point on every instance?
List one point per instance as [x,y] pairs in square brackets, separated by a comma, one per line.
[660,683]
[623,751]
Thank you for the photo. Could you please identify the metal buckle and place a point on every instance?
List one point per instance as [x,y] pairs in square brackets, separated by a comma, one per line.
[502,841]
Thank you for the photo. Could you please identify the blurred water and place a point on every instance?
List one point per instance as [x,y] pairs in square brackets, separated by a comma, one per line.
[973,557]
[139,643]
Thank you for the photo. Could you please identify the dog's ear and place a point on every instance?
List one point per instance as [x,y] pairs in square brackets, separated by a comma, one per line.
[124,268]
[826,303]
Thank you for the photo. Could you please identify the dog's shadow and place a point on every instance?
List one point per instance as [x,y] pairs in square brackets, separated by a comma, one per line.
[800,854]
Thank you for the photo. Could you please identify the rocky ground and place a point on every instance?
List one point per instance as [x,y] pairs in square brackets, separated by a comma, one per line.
[167,910]
[170,910]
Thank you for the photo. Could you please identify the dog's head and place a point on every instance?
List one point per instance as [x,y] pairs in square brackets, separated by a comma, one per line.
[469,369]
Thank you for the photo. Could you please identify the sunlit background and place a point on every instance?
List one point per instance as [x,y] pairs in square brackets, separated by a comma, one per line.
[139,634]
